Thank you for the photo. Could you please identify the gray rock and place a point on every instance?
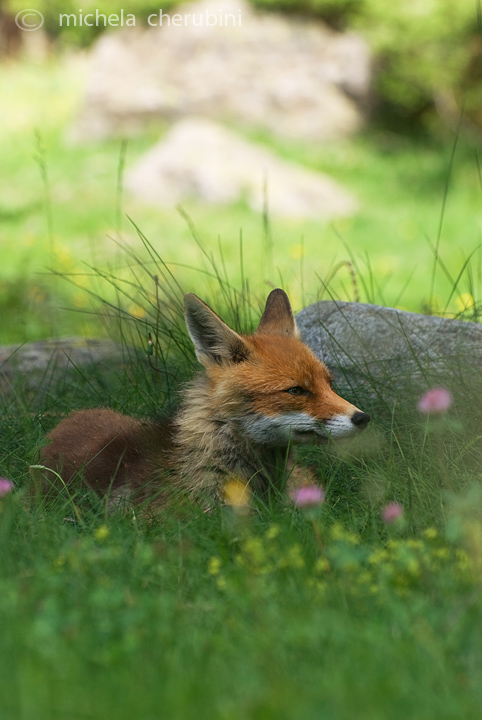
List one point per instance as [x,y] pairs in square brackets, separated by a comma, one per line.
[43,364]
[293,76]
[200,159]
[377,351]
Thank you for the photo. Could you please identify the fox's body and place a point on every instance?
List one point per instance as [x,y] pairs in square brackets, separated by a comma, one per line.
[260,395]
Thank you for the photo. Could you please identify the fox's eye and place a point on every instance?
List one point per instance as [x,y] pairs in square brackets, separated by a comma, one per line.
[297,390]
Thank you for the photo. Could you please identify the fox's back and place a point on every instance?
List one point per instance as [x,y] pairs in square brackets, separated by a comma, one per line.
[110,450]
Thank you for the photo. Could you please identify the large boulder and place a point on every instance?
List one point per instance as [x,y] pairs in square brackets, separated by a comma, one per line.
[293,76]
[200,159]
[378,352]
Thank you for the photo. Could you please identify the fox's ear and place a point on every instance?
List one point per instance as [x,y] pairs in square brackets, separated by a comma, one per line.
[277,318]
[213,340]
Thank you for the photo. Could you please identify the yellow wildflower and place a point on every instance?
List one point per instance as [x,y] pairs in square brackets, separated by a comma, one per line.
[294,557]
[237,494]
[465,301]
[101,533]
[414,544]
[214,566]
[272,532]
[221,582]
[442,553]
[322,565]
[297,251]
[137,311]
[413,567]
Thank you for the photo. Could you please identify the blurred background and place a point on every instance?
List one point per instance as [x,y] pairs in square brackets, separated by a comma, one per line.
[309,143]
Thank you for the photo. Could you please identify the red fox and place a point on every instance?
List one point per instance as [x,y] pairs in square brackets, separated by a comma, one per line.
[260,395]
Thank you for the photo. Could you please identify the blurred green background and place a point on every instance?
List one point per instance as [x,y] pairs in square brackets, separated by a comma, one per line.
[414,168]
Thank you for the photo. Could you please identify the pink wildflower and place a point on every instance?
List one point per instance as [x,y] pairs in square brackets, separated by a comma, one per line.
[436,401]
[308,496]
[6,486]
[392,512]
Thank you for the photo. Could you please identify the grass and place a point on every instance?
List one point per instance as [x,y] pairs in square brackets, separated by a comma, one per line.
[141,624]
[282,613]
[228,616]
[60,211]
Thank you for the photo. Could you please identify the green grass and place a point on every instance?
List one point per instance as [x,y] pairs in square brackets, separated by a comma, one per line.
[279,613]
[276,614]
[135,625]
[233,616]
[61,209]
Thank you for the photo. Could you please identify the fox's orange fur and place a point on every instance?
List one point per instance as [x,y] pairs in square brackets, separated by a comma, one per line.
[259,395]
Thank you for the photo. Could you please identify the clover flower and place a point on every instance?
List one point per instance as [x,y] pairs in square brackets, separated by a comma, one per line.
[436,401]
[6,486]
[308,496]
[392,512]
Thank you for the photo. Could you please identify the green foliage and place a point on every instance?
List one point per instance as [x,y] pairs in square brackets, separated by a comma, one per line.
[336,12]
[426,52]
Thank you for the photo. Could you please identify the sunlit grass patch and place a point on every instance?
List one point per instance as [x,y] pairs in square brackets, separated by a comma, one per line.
[390,242]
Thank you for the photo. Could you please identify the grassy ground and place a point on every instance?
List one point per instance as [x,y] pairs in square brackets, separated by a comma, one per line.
[61,209]
[281,613]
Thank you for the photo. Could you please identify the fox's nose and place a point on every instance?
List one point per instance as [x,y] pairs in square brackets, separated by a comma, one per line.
[360,419]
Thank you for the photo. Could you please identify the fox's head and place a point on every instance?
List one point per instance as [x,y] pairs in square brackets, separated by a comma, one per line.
[269,386]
